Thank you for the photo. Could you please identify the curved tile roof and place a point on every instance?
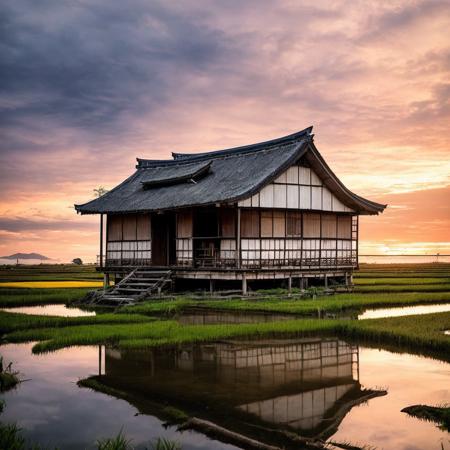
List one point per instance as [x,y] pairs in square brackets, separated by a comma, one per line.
[227,176]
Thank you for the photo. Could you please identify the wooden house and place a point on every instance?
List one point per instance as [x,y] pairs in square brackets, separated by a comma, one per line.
[272,210]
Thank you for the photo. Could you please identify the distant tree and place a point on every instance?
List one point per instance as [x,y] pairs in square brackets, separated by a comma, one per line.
[77,261]
[100,191]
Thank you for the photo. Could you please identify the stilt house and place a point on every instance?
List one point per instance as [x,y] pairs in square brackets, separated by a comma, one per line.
[267,211]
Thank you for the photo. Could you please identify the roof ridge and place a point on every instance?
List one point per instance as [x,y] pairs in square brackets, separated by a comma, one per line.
[305,133]
[190,158]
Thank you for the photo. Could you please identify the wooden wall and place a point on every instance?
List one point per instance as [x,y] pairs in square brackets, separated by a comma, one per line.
[128,239]
[297,188]
[294,238]
[184,234]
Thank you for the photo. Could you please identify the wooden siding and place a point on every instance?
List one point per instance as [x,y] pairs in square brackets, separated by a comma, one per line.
[296,188]
[293,238]
[128,239]
[184,243]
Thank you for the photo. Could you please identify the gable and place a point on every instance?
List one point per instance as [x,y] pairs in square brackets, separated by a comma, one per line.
[298,187]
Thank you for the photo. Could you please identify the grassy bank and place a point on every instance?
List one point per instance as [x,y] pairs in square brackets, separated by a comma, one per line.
[10,297]
[62,284]
[423,332]
[401,281]
[44,272]
[335,303]
[392,288]
[15,322]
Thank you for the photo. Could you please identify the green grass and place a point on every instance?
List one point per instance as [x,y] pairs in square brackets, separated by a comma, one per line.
[8,377]
[334,303]
[423,332]
[402,280]
[44,272]
[15,321]
[10,297]
[403,288]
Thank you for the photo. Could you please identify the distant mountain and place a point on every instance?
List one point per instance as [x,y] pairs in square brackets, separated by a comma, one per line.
[25,256]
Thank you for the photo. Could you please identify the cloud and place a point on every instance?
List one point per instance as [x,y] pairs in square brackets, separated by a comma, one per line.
[21,224]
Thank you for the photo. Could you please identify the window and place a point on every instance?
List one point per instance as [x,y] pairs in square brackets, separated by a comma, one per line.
[129,227]
[344,227]
[114,228]
[266,224]
[311,225]
[184,224]
[143,227]
[294,223]
[228,222]
[329,226]
[279,224]
[249,223]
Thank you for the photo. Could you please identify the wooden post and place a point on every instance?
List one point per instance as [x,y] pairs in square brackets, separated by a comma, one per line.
[101,240]
[105,281]
[306,283]
[326,281]
[244,284]
[289,285]
[238,239]
[211,286]
[301,283]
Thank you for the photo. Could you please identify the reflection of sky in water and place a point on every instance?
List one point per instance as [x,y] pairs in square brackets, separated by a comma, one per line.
[50,310]
[54,411]
[410,380]
[403,311]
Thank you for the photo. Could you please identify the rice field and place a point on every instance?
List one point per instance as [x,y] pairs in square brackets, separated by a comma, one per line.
[10,297]
[50,284]
[136,326]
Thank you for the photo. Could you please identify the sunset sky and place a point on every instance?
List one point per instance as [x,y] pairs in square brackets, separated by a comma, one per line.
[88,86]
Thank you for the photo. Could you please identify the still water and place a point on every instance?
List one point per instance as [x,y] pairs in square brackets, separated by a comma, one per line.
[50,310]
[404,311]
[316,387]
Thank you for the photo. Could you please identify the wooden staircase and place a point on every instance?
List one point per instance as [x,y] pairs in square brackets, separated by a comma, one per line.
[139,284]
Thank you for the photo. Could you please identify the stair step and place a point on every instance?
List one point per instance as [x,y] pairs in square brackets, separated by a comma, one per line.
[129,289]
[138,280]
[151,272]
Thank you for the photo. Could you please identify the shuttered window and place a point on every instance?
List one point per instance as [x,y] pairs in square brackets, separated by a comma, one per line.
[311,225]
[266,224]
[279,224]
[129,227]
[143,227]
[294,223]
[184,224]
[329,226]
[228,222]
[249,223]
[344,227]
[114,228]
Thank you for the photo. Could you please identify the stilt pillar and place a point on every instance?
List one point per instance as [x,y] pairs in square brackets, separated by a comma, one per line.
[105,281]
[290,285]
[211,286]
[244,284]
[326,281]
[301,284]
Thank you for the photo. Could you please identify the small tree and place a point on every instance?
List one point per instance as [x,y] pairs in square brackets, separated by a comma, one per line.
[77,261]
[100,191]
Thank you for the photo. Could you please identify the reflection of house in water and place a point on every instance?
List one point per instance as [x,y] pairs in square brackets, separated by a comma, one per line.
[301,385]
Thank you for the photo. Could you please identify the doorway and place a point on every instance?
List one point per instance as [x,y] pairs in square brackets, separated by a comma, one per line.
[163,239]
